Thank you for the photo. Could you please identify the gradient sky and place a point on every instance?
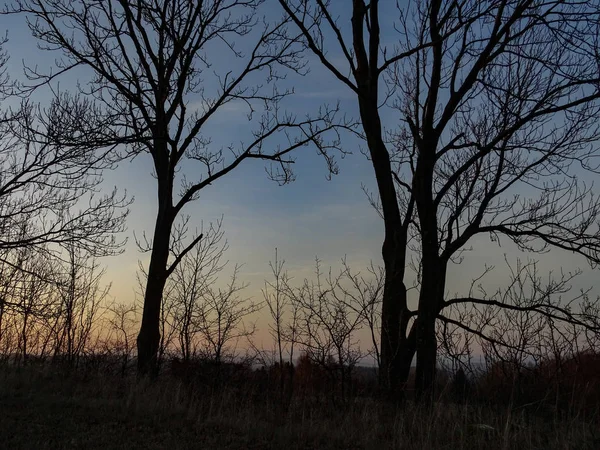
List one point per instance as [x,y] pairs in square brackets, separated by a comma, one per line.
[308,218]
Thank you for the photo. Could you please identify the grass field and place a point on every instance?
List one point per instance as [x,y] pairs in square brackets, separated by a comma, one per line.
[42,409]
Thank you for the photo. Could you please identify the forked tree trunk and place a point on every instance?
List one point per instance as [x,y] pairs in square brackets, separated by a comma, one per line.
[395,314]
[394,306]
[396,353]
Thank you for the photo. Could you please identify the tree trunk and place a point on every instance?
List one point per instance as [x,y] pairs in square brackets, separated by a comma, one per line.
[394,314]
[430,299]
[408,349]
[433,270]
[148,341]
[395,352]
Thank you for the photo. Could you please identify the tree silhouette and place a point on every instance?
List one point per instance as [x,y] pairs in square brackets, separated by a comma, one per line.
[156,92]
[48,184]
[497,104]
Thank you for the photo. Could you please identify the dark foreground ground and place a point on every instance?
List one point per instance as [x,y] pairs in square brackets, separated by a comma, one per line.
[40,409]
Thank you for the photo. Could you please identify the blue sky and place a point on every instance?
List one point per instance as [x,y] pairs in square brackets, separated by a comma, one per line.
[308,218]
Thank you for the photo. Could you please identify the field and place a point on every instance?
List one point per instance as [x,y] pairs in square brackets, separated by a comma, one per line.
[43,409]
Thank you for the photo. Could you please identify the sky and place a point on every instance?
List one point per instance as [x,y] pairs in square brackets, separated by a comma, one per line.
[311,217]
[314,216]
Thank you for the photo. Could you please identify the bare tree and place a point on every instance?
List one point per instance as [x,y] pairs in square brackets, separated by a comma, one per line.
[498,105]
[190,282]
[150,61]
[123,320]
[9,285]
[531,331]
[53,306]
[331,311]
[81,299]
[49,187]
[362,295]
[277,301]
[32,301]
[220,318]
[495,111]
[200,314]
[361,67]
[49,199]
[510,323]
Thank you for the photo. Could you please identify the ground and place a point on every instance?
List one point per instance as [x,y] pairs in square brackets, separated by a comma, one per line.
[42,409]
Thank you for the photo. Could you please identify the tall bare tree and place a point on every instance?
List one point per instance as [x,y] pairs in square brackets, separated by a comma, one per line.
[500,128]
[498,108]
[361,69]
[153,77]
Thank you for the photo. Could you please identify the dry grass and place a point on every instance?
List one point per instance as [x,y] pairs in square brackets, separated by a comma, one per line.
[40,409]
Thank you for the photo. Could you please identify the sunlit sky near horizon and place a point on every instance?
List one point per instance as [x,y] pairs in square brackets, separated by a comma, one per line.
[311,217]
